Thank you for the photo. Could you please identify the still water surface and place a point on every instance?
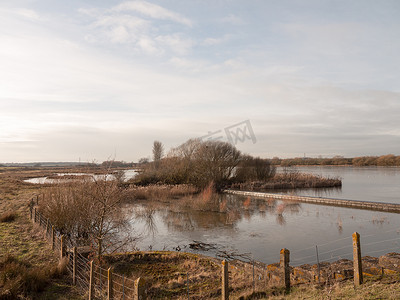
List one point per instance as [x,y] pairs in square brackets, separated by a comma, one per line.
[127,174]
[256,227]
[380,184]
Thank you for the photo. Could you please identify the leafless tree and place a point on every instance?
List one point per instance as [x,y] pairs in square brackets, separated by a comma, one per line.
[215,162]
[90,211]
[158,151]
[143,160]
[195,162]
[254,168]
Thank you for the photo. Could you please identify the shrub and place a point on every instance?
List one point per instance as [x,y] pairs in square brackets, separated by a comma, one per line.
[254,168]
[8,217]
[89,212]
[19,279]
[194,162]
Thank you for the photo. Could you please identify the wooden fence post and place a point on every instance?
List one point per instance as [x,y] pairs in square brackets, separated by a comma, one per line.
[62,247]
[358,275]
[284,264]
[52,238]
[91,281]
[34,215]
[74,266]
[110,295]
[139,289]
[225,280]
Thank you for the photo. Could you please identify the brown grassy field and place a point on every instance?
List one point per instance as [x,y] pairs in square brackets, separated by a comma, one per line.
[28,267]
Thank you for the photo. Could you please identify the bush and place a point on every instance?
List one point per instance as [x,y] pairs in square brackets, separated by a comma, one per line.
[89,212]
[254,168]
[8,217]
[194,162]
[19,279]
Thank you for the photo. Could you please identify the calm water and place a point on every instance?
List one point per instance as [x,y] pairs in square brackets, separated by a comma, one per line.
[128,174]
[380,184]
[256,227]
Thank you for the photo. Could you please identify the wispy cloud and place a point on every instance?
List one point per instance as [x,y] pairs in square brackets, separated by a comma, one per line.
[232,19]
[176,43]
[136,23]
[152,10]
[216,41]
[121,28]
[24,13]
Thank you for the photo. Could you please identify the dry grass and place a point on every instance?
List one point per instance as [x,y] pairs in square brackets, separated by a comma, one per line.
[28,267]
[19,277]
[158,192]
[170,274]
[290,181]
[374,288]
[8,217]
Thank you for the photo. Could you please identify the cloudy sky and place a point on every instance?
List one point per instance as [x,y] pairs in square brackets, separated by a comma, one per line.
[94,80]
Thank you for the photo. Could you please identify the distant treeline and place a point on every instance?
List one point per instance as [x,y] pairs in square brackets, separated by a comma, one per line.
[383,160]
[107,163]
[117,164]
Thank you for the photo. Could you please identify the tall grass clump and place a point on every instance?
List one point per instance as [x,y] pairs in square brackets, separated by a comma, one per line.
[8,217]
[160,192]
[208,200]
[20,280]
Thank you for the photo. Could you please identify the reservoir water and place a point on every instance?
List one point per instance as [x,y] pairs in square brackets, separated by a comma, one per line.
[380,184]
[260,228]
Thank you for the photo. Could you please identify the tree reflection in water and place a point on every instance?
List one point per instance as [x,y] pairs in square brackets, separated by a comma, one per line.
[225,211]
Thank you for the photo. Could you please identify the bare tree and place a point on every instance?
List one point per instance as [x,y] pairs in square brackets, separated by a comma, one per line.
[195,162]
[143,161]
[158,151]
[215,162]
[107,216]
[90,211]
[254,168]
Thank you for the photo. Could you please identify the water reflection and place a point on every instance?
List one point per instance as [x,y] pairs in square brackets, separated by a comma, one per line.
[181,218]
[264,226]
[122,175]
[333,192]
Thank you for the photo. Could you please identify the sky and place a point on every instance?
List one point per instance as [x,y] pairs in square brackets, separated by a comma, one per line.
[97,80]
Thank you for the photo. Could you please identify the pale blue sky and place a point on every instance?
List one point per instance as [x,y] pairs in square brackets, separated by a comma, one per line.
[93,80]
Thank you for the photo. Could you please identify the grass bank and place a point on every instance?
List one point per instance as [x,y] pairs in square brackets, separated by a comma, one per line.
[387,287]
[28,267]
[289,181]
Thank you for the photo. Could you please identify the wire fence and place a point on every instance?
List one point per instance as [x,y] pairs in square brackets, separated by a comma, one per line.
[330,251]
[100,282]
